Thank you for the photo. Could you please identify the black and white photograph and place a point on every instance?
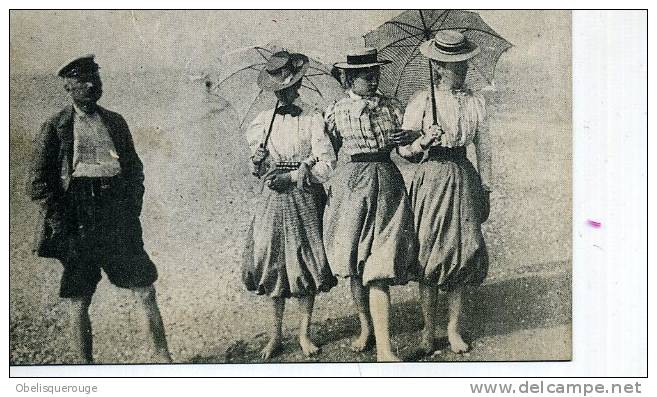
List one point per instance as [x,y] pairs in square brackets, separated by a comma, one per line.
[290,186]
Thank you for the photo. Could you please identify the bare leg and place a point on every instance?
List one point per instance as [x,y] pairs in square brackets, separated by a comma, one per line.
[306,305]
[276,336]
[380,311]
[81,329]
[454,302]
[360,295]
[155,324]
[428,296]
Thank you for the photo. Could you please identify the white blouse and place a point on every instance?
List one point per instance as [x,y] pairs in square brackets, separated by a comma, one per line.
[302,138]
[461,116]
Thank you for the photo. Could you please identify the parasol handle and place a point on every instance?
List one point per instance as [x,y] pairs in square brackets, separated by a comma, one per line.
[433,95]
[259,166]
[271,125]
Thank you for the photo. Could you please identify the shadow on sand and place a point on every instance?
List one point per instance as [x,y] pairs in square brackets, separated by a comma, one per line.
[499,308]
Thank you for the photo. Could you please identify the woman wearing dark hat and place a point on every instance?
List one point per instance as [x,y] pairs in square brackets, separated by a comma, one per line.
[450,199]
[290,150]
[368,222]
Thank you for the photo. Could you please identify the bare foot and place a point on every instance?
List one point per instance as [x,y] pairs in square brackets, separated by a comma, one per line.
[456,343]
[427,343]
[162,357]
[387,357]
[272,347]
[362,343]
[307,346]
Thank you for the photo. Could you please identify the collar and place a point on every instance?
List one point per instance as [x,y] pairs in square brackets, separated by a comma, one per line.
[81,113]
[370,102]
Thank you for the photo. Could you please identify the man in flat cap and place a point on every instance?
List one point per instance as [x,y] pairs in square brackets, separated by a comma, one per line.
[89,181]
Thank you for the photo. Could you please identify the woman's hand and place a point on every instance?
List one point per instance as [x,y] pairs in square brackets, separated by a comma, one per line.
[260,154]
[303,176]
[280,182]
[404,137]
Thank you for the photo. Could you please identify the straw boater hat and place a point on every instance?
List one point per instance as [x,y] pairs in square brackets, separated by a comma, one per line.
[360,59]
[449,46]
[282,70]
[77,66]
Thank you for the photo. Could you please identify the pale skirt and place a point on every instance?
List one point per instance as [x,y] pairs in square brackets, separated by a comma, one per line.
[284,254]
[368,224]
[446,196]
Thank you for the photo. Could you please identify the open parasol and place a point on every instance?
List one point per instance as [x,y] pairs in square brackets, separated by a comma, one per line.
[399,41]
[237,83]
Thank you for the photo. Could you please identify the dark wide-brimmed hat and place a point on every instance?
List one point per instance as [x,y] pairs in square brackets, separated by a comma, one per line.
[78,66]
[361,59]
[449,46]
[282,70]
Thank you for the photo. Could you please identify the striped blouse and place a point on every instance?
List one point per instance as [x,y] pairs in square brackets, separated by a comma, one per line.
[363,125]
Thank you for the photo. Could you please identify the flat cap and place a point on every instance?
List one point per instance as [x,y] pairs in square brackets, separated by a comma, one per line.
[78,66]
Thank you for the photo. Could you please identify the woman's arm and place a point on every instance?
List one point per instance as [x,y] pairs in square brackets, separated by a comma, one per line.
[322,160]
[484,153]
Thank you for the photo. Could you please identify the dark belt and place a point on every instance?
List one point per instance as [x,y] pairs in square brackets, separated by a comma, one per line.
[287,165]
[374,157]
[446,153]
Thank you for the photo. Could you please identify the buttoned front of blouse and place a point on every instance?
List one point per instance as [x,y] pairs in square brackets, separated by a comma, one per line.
[295,139]
[363,125]
[461,116]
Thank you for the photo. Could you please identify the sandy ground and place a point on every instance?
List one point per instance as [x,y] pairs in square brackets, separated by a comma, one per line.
[199,198]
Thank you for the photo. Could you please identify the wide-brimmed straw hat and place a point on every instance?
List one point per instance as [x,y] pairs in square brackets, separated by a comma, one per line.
[449,46]
[282,70]
[360,59]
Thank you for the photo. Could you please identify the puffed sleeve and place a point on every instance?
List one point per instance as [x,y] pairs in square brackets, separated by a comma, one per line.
[331,128]
[256,130]
[413,121]
[324,157]
[483,147]
[414,114]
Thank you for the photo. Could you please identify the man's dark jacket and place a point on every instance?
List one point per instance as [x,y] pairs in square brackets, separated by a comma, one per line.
[52,165]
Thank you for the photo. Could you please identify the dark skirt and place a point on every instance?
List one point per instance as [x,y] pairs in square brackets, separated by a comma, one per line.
[446,195]
[284,255]
[368,224]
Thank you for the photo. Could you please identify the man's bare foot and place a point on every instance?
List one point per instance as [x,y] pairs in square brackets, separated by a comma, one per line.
[456,343]
[363,342]
[387,357]
[307,346]
[427,342]
[162,357]
[271,348]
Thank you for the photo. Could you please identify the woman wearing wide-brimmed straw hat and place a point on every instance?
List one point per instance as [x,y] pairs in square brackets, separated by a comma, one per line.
[368,222]
[293,155]
[450,198]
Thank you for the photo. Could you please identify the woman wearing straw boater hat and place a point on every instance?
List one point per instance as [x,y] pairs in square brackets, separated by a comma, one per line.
[450,198]
[368,222]
[292,154]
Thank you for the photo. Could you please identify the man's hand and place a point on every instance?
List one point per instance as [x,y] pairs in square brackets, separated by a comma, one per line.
[404,137]
[280,182]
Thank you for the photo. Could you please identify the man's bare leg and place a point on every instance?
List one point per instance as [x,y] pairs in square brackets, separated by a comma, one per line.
[428,297]
[306,304]
[454,303]
[81,329]
[155,324]
[380,311]
[276,334]
[360,295]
